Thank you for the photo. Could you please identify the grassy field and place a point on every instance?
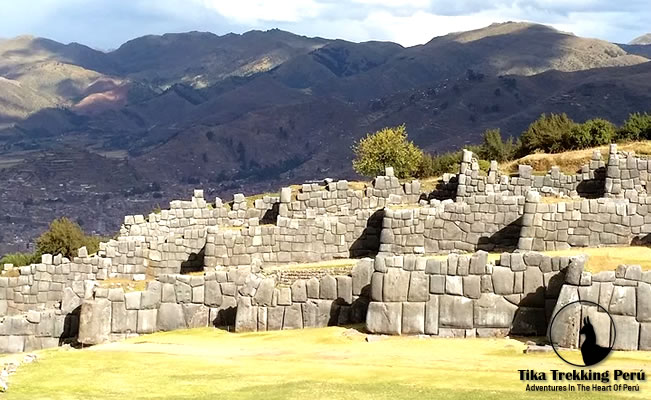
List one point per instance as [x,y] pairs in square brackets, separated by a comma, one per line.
[328,363]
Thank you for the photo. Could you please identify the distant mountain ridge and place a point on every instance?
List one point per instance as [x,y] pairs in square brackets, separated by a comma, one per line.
[246,112]
[644,39]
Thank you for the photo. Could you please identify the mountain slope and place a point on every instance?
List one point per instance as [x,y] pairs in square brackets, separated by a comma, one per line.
[641,40]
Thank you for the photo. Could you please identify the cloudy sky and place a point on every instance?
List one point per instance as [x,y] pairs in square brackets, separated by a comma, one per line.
[105,24]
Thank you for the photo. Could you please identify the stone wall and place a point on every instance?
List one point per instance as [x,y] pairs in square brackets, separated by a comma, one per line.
[480,222]
[464,295]
[36,330]
[583,223]
[625,293]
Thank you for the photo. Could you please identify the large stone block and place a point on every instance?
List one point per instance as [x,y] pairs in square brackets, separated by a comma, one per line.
[623,301]
[627,329]
[395,285]
[170,317]
[213,294]
[123,320]
[132,300]
[147,321]
[432,315]
[293,317]
[472,286]
[418,286]
[246,318]
[264,294]
[70,301]
[361,274]
[644,302]
[328,288]
[95,321]
[196,315]
[534,288]
[493,311]
[413,318]
[454,285]
[345,289]
[312,288]
[645,336]
[275,317]
[376,286]
[183,292]
[299,291]
[565,329]
[455,312]
[384,318]
[503,280]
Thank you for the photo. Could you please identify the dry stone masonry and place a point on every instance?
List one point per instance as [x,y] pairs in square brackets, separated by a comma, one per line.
[238,254]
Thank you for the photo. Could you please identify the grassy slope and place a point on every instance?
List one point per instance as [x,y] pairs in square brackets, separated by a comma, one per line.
[329,363]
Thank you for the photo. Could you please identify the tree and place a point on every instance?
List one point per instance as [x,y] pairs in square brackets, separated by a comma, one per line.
[387,147]
[636,127]
[547,133]
[63,236]
[494,148]
[594,132]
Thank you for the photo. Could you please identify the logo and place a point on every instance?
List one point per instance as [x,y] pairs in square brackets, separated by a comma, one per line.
[586,325]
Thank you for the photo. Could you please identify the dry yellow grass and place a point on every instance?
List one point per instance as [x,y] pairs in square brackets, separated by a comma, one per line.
[327,363]
[608,258]
[127,284]
[571,161]
[338,263]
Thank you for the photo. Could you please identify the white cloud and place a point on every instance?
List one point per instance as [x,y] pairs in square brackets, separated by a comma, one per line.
[253,11]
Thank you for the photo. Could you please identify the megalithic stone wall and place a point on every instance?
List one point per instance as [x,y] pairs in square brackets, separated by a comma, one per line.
[464,295]
[238,297]
[583,223]
[624,293]
[479,222]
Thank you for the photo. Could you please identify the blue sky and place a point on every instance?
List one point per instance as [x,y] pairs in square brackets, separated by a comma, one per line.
[106,24]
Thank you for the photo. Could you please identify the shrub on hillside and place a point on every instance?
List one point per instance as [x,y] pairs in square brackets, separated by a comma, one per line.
[546,134]
[19,259]
[437,165]
[65,237]
[387,147]
[636,127]
[494,148]
[594,132]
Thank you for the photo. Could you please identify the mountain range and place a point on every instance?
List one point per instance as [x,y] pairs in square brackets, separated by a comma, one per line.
[95,135]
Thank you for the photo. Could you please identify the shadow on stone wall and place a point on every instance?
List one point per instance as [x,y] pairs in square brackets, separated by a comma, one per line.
[271,215]
[70,328]
[368,243]
[506,239]
[194,263]
[593,188]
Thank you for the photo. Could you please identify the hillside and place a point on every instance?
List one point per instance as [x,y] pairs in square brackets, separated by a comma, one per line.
[644,39]
[245,113]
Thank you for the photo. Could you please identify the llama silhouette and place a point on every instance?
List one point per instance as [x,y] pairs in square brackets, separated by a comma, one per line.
[590,351]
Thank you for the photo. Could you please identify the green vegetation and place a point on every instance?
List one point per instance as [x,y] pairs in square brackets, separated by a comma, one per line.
[326,363]
[62,237]
[553,133]
[387,147]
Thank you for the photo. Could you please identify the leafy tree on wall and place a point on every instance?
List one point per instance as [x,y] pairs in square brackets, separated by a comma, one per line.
[388,147]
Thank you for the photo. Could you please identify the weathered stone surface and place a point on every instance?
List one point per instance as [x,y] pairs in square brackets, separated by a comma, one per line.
[147,321]
[196,315]
[170,317]
[275,318]
[437,284]
[377,280]
[284,296]
[361,274]
[645,336]
[493,311]
[299,291]
[454,285]
[384,318]
[472,286]
[264,294]
[70,301]
[455,312]
[246,319]
[565,329]
[312,288]
[418,286]
[123,320]
[413,318]
[503,279]
[601,324]
[432,315]
[213,294]
[293,317]
[345,289]
[132,300]
[534,288]
[328,288]
[627,332]
[183,292]
[623,301]
[395,285]
[644,302]
[95,321]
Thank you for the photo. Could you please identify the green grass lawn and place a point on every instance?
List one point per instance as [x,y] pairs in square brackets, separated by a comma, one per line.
[329,363]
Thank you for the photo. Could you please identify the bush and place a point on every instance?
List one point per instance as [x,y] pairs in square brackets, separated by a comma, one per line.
[594,132]
[19,259]
[546,134]
[65,237]
[437,165]
[636,127]
[387,147]
[494,148]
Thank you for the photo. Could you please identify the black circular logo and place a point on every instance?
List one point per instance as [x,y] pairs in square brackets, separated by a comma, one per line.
[586,325]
